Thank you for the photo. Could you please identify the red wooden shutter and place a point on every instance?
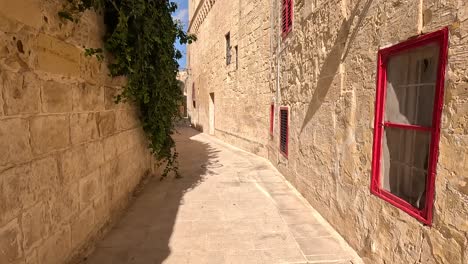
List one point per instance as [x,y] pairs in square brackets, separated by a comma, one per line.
[284,16]
[290,14]
[284,134]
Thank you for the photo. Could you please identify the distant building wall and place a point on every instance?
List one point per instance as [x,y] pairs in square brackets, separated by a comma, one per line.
[241,88]
[182,78]
[324,71]
[69,157]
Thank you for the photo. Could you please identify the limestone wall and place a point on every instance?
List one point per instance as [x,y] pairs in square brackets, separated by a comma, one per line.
[328,79]
[69,157]
[326,71]
[241,91]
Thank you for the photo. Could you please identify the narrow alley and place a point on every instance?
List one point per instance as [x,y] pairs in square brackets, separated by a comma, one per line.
[230,207]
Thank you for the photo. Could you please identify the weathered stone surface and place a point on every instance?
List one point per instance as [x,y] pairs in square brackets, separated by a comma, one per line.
[14,141]
[17,47]
[34,222]
[80,161]
[89,188]
[110,172]
[10,242]
[87,97]
[101,209]
[21,93]
[27,12]
[45,173]
[57,247]
[71,165]
[18,191]
[1,101]
[83,127]
[63,206]
[56,97]
[82,226]
[57,57]
[91,70]
[126,119]
[49,133]
[32,258]
[109,96]
[106,123]
[94,155]
[324,70]
[53,107]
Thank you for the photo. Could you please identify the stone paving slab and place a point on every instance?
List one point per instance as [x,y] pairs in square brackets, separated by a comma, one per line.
[230,207]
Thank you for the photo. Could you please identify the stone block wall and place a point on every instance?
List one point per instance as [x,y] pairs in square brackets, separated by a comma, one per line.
[241,88]
[69,156]
[327,76]
[324,71]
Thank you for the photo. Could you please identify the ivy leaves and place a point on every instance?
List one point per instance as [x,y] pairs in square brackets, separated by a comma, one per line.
[140,35]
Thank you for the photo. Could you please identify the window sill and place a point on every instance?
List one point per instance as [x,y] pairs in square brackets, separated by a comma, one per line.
[401,204]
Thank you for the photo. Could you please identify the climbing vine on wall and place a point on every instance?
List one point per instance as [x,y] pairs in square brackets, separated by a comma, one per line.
[140,36]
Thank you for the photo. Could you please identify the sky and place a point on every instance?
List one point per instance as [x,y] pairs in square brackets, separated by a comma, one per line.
[182,15]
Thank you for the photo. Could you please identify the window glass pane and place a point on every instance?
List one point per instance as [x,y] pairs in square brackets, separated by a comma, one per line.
[405,163]
[411,80]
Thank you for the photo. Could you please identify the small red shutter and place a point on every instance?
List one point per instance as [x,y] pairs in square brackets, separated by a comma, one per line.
[290,14]
[284,16]
[284,134]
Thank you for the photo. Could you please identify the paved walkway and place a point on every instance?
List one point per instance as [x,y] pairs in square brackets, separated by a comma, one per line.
[229,207]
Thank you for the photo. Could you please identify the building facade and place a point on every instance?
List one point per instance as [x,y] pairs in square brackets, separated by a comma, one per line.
[229,71]
[70,158]
[361,104]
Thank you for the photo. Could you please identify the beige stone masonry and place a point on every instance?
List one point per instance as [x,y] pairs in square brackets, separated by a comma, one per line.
[56,56]
[27,12]
[49,133]
[56,97]
[324,71]
[69,156]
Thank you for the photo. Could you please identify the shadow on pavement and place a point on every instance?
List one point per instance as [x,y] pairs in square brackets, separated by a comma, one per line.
[144,233]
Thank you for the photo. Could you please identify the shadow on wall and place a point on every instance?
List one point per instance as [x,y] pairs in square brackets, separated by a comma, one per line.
[144,233]
[198,127]
[334,58]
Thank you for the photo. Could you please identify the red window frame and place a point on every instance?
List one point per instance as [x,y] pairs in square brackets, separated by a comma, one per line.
[441,38]
[285,152]
[287,16]
[272,118]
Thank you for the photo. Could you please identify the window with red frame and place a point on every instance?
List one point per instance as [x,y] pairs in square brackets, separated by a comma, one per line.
[284,133]
[272,118]
[287,16]
[410,87]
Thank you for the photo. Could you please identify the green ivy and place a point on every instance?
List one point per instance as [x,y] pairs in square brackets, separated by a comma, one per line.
[140,36]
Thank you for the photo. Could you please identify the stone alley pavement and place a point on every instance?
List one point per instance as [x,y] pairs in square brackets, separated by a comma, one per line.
[230,207]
